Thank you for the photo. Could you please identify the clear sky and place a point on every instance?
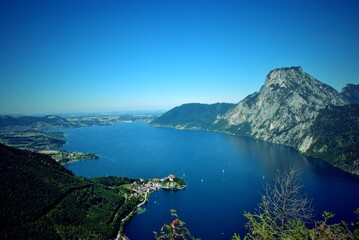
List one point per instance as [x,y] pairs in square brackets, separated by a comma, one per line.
[74,56]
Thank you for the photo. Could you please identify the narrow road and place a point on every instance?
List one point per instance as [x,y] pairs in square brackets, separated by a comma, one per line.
[119,237]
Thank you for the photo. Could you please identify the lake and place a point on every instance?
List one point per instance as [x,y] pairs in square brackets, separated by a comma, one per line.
[225,175]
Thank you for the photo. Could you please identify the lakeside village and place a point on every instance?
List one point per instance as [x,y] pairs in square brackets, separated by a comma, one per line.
[137,194]
[143,187]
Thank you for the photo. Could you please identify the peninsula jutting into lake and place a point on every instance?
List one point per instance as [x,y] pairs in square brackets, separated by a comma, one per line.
[219,170]
[141,189]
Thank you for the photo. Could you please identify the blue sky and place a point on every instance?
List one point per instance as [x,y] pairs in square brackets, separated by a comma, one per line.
[77,56]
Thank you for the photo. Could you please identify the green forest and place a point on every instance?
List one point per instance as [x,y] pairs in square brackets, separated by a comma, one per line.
[193,115]
[336,137]
[43,200]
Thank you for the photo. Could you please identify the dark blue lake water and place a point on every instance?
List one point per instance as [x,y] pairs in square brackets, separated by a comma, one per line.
[225,175]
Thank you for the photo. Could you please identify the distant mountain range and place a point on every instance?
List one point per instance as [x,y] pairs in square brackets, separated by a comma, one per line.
[289,109]
[22,123]
[46,122]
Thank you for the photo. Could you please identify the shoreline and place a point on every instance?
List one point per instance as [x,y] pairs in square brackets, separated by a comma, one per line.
[121,235]
[128,217]
[306,155]
[67,157]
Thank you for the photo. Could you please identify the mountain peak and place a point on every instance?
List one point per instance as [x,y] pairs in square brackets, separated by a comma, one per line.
[284,108]
[281,76]
[351,93]
[288,69]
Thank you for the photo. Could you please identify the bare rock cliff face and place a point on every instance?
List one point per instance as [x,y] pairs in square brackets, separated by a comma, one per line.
[284,109]
[351,93]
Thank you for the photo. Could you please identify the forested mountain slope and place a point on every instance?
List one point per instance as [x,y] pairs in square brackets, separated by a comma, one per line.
[40,199]
[193,116]
[336,137]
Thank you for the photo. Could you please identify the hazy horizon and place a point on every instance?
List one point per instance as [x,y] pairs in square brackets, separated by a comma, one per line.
[82,113]
[95,56]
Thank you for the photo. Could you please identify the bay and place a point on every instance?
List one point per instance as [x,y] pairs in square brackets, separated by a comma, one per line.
[225,175]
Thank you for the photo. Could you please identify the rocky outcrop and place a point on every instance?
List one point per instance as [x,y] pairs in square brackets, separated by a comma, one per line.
[284,109]
[351,93]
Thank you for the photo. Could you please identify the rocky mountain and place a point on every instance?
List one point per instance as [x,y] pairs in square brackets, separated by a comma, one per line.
[284,109]
[291,108]
[351,93]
